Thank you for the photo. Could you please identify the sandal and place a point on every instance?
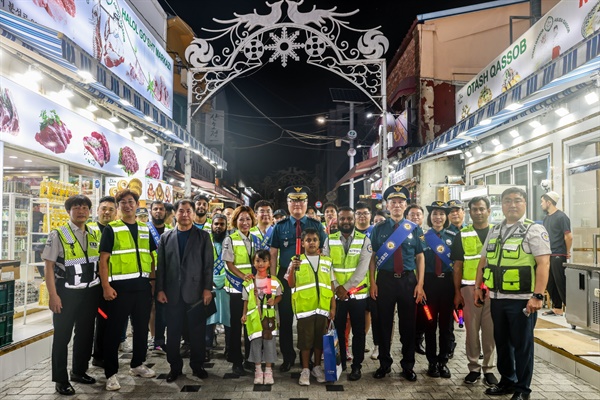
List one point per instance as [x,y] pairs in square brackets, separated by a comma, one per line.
[551,313]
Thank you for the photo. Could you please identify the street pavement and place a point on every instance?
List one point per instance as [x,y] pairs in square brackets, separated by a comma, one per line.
[549,382]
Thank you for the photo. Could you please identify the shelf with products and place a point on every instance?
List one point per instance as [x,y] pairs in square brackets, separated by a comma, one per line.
[15,225]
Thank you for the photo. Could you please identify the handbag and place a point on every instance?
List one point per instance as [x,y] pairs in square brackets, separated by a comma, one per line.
[268,324]
[332,360]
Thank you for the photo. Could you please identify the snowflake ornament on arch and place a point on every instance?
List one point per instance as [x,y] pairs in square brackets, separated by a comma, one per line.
[284,46]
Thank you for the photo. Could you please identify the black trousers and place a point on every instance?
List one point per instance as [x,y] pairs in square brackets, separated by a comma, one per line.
[98,352]
[236,307]
[286,319]
[557,281]
[136,304]
[375,327]
[391,292]
[356,310]
[440,299]
[196,325]
[79,307]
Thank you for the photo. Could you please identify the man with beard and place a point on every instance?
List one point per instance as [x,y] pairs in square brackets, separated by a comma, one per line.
[158,322]
[350,252]
[264,226]
[201,219]
[558,226]
[217,235]
[283,247]
[107,212]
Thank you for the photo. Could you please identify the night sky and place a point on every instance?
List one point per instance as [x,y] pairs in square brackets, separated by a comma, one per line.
[293,95]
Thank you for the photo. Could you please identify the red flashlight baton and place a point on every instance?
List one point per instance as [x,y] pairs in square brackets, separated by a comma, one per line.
[357,289]
[102,313]
[427,311]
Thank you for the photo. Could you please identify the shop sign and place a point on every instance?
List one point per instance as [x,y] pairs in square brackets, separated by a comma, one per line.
[201,169]
[148,189]
[112,33]
[567,24]
[401,175]
[33,122]
[214,129]
[374,150]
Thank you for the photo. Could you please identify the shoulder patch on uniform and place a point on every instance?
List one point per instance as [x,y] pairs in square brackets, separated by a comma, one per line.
[545,237]
[370,248]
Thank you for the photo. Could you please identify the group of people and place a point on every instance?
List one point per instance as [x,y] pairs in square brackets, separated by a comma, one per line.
[264,274]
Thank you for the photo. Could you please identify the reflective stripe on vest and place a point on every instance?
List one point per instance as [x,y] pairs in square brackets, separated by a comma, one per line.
[123,262]
[308,298]
[344,265]
[241,258]
[80,270]
[472,253]
[253,318]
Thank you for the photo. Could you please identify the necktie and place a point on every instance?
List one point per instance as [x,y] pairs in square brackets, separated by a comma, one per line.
[298,237]
[438,264]
[398,261]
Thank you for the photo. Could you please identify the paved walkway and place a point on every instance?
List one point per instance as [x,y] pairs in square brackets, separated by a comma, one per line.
[549,382]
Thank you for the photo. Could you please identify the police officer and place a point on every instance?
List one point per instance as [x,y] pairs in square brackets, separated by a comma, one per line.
[350,253]
[399,262]
[514,265]
[283,247]
[71,270]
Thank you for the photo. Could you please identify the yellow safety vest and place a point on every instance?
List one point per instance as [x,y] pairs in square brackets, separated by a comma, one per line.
[123,263]
[312,293]
[344,264]
[472,253]
[80,268]
[241,259]
[510,269]
[253,317]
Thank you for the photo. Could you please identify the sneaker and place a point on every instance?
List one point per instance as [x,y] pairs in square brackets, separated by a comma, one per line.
[220,329]
[304,377]
[142,371]
[268,375]
[259,377]
[489,379]
[367,348]
[125,347]
[159,350]
[472,377]
[318,373]
[348,355]
[375,353]
[113,383]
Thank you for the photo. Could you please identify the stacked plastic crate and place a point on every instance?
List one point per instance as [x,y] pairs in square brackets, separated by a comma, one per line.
[7,310]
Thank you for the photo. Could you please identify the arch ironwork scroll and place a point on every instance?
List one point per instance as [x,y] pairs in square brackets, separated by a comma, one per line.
[318,37]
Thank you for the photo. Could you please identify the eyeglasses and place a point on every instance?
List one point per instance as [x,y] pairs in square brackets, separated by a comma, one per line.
[130,202]
[267,212]
[297,200]
[516,202]
[362,214]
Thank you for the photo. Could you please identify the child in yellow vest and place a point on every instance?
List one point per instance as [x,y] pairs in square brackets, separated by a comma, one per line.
[309,277]
[260,296]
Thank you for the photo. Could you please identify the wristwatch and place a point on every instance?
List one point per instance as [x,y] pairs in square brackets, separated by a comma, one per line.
[538,296]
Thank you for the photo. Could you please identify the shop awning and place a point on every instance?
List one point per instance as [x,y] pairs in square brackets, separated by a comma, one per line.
[560,78]
[216,191]
[363,167]
[406,86]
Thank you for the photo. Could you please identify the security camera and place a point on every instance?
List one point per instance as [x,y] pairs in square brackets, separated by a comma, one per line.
[545,184]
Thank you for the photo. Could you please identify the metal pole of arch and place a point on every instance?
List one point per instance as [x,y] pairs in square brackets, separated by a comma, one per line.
[384,135]
[351,153]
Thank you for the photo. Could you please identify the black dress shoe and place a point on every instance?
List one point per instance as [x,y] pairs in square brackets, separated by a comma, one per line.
[96,362]
[382,372]
[201,373]
[238,369]
[419,344]
[84,378]
[500,390]
[286,366]
[444,371]
[409,374]
[64,388]
[432,371]
[451,352]
[355,374]
[520,396]
[172,376]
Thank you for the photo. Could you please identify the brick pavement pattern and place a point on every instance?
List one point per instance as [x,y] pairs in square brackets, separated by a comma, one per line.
[549,382]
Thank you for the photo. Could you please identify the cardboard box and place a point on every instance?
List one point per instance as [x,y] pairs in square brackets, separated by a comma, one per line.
[10,273]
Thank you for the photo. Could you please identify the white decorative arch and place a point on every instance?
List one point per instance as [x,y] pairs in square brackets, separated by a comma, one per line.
[253,39]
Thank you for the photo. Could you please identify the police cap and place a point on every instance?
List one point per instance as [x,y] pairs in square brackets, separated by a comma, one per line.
[279,212]
[455,204]
[396,191]
[438,205]
[141,211]
[297,192]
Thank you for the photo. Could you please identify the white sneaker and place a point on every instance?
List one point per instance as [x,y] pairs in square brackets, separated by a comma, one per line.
[125,347]
[220,328]
[375,353]
[304,377]
[367,348]
[142,371]
[269,377]
[258,377]
[318,373]
[112,383]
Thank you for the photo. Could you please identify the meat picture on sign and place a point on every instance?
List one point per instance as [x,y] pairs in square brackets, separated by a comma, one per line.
[159,90]
[54,134]
[128,160]
[108,37]
[9,118]
[97,146]
[153,170]
[58,9]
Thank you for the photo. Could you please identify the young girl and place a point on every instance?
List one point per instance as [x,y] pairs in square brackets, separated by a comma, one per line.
[260,296]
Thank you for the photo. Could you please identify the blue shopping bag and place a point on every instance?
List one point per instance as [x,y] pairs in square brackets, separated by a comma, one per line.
[332,359]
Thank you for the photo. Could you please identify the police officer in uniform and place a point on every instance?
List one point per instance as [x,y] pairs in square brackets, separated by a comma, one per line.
[71,270]
[283,248]
[514,265]
[399,262]
[350,252]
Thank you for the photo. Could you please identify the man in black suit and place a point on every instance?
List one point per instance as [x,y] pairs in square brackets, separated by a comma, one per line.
[184,282]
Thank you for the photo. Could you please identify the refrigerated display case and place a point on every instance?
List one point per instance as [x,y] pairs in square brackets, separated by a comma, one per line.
[15,220]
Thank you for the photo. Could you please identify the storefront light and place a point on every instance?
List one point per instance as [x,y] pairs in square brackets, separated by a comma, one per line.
[186,144]
[171,180]
[125,102]
[442,145]
[91,107]
[66,92]
[591,97]
[468,154]
[562,111]
[113,118]
[495,141]
[486,121]
[219,166]
[514,106]
[148,118]
[514,133]
[32,75]
[128,129]
[478,149]
[169,132]
[535,124]
[27,160]
[86,76]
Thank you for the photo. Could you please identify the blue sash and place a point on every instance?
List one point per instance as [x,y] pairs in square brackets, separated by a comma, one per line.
[154,233]
[218,265]
[234,280]
[262,244]
[394,241]
[438,247]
